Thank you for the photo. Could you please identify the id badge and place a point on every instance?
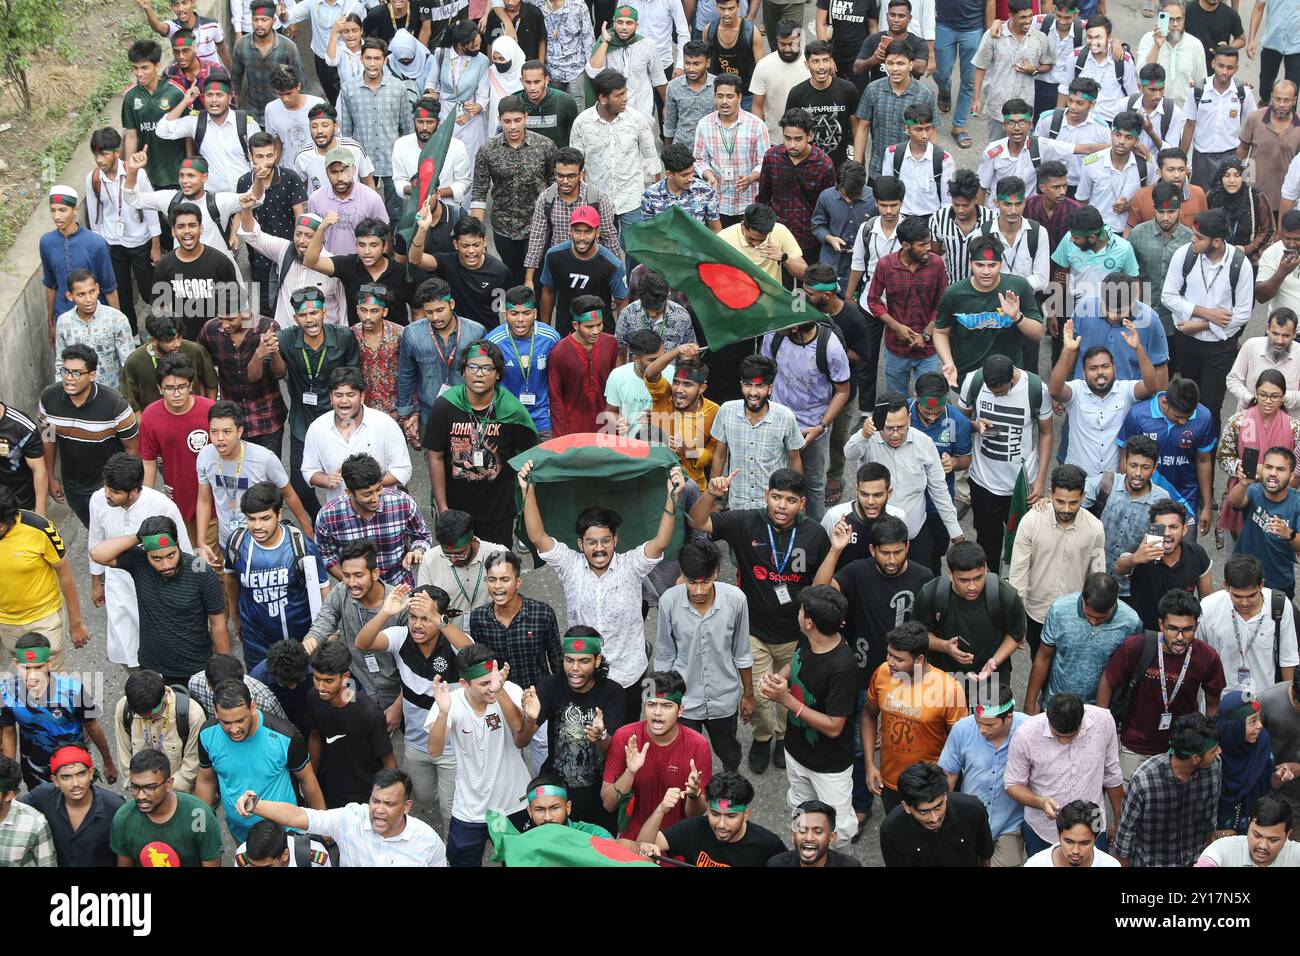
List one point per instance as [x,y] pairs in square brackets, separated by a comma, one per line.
[1166,720]
[443,389]
[477,458]
[1244,679]
[310,398]
[527,398]
[114,228]
[372,663]
[782,594]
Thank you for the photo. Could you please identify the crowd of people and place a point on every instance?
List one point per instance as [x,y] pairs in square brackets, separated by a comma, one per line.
[1060,320]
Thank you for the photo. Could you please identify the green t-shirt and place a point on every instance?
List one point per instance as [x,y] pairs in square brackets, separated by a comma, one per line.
[140,383]
[553,117]
[626,391]
[191,836]
[970,620]
[141,111]
[976,326]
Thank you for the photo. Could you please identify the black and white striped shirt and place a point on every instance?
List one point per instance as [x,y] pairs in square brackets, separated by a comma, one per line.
[945,230]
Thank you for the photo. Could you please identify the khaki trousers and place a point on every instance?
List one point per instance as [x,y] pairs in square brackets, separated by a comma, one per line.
[768,659]
[52,627]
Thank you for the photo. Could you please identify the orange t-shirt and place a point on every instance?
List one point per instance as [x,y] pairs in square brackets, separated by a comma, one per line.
[914,718]
[1143,209]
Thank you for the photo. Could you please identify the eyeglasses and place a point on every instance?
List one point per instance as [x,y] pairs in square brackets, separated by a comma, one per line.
[176,389]
[146,788]
[1172,631]
[560,175]
[74,373]
[475,368]
[894,429]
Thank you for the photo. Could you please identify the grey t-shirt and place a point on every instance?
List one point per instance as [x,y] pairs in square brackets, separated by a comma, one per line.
[1282,722]
[229,480]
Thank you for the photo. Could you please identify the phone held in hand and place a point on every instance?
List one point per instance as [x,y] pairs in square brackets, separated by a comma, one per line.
[879,414]
[1155,535]
[1250,463]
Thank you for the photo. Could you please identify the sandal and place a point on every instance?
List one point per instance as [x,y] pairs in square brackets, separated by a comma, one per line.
[834,491]
[945,102]
[962,138]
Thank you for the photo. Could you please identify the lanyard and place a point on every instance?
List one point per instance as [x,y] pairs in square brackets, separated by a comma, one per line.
[771,540]
[722,137]
[526,366]
[306,361]
[1242,649]
[447,359]
[469,598]
[1165,695]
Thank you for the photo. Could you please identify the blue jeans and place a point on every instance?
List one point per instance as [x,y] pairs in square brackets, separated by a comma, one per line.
[465,841]
[1036,844]
[816,459]
[626,219]
[900,371]
[947,44]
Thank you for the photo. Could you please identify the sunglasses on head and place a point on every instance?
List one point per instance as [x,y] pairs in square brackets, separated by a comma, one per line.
[378,291]
[304,295]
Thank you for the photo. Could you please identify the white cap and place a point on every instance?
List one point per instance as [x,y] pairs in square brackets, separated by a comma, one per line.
[64,192]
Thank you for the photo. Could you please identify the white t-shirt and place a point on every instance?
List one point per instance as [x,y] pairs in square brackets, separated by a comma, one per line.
[1044,858]
[229,481]
[1235,851]
[773,80]
[995,464]
[490,770]
[290,126]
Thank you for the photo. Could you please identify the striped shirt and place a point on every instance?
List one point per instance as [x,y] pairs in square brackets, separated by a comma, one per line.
[729,154]
[945,230]
[87,435]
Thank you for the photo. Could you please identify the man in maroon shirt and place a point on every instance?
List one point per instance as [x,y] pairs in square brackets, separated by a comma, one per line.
[1050,208]
[647,758]
[175,429]
[793,176]
[578,369]
[905,292]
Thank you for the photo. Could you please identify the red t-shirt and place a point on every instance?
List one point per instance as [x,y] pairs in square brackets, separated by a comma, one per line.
[664,768]
[1142,733]
[177,440]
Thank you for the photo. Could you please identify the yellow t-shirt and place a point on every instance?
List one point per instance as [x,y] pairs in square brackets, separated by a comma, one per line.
[28,554]
[914,718]
[693,428]
[780,236]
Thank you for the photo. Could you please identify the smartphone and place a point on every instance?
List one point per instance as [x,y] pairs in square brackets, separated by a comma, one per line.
[879,414]
[1250,462]
[1156,534]
[1162,23]
[963,642]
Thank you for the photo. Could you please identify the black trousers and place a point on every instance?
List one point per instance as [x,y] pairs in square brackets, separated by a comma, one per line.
[890,798]
[261,269]
[1269,61]
[722,735]
[132,264]
[329,79]
[869,367]
[1033,637]
[921,549]
[1207,364]
[632,701]
[310,501]
[990,513]
[272,442]
[500,532]
[512,252]
[1044,98]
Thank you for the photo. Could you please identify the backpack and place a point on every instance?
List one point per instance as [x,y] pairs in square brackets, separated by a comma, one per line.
[1234,270]
[1035,391]
[1082,58]
[936,162]
[209,199]
[824,332]
[1165,120]
[943,592]
[1279,603]
[1121,700]
[240,535]
[182,714]
[1236,88]
[1035,230]
[1049,24]
[1104,487]
[746,34]
[97,180]
[241,130]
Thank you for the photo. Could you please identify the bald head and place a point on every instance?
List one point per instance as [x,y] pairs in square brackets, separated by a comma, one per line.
[1282,100]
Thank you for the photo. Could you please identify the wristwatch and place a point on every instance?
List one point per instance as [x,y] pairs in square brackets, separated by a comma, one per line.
[784,257]
[926,337]
[1291,537]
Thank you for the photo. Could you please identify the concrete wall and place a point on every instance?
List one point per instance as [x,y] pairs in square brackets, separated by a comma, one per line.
[26,360]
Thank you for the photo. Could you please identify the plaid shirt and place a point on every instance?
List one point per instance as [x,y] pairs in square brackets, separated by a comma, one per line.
[700,201]
[674,326]
[550,225]
[25,838]
[1166,822]
[1154,250]
[792,190]
[883,109]
[911,298]
[396,528]
[264,410]
[516,175]
[376,118]
[530,644]
[730,154]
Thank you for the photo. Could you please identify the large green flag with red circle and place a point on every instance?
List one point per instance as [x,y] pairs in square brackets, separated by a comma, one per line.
[732,298]
[555,845]
[433,156]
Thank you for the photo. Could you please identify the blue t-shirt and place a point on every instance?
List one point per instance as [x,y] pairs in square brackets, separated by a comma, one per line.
[526,361]
[1094,330]
[81,250]
[951,435]
[960,15]
[1178,447]
[1274,553]
[274,600]
[45,726]
[262,762]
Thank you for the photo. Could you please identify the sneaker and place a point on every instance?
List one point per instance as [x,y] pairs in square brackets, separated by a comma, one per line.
[778,754]
[760,752]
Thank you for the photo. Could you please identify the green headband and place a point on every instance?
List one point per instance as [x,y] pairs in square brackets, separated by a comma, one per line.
[307,303]
[629,12]
[530,304]
[463,540]
[1244,711]
[32,655]
[547,790]
[1011,197]
[481,669]
[1088,232]
[1017,116]
[1208,744]
[675,697]
[1085,96]
[591,316]
[156,542]
[932,401]
[824,286]
[916,122]
[581,645]
[726,806]
[995,710]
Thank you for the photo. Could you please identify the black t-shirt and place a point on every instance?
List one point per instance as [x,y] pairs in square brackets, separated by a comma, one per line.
[275,216]
[877,605]
[848,22]
[1149,582]
[970,620]
[174,636]
[354,742]
[772,621]
[197,289]
[379,22]
[694,842]
[1212,27]
[567,714]
[917,46]
[832,112]
[486,490]
[477,292]
[571,277]
[964,838]
[20,444]
[790,859]
[530,29]
[353,275]
[855,337]
[828,683]
[859,548]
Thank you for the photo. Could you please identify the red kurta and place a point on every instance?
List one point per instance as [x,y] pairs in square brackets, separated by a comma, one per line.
[577,378]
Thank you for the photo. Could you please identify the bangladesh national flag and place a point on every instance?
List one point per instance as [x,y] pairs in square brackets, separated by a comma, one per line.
[575,472]
[427,171]
[731,297]
[555,845]
[1019,505]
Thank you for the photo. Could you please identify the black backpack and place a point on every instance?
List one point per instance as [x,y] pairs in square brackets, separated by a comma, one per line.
[1165,120]
[976,382]
[182,714]
[1104,487]
[1236,88]
[936,161]
[1278,608]
[209,200]
[1121,700]
[241,130]
[240,535]
[1035,230]
[1086,52]
[824,332]
[1049,24]
[1234,270]
[943,593]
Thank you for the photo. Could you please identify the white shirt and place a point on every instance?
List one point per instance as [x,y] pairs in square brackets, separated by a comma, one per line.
[1184,62]
[1172,136]
[119,588]
[211,234]
[456,173]
[111,217]
[658,19]
[773,80]
[1209,285]
[416,691]
[1235,851]
[1288,293]
[1100,858]
[323,13]
[359,845]
[1112,96]
[226,158]
[921,197]
[310,163]
[621,156]
[870,247]
[1095,421]
[995,462]
[1253,358]
[229,480]
[915,470]
[377,435]
[347,63]
[611,603]
[1218,116]
[1291,183]
[998,162]
[299,276]
[490,771]
[290,127]
[316,847]
[1091,130]
[1223,629]
[1101,185]
[1035,268]
[241,21]
[1063,47]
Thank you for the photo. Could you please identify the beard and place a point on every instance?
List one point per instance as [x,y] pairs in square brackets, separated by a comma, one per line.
[1277,355]
[788,57]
